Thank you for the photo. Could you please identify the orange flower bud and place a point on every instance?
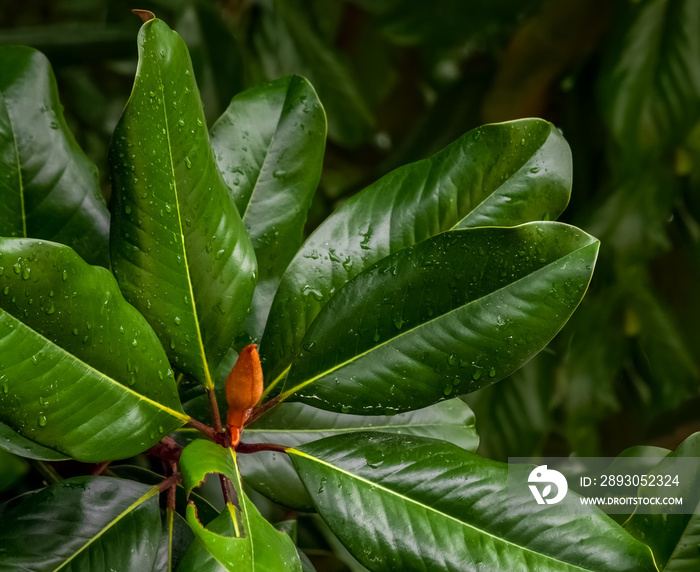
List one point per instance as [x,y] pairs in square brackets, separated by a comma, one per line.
[244,387]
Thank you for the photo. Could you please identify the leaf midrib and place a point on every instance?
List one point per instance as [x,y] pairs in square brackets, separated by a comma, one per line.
[21,186]
[97,373]
[209,384]
[152,492]
[267,153]
[354,358]
[431,509]
[243,509]
[351,429]
[500,186]
[170,515]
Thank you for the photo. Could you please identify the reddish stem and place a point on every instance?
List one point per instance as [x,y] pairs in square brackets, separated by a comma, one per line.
[172,489]
[246,448]
[171,481]
[260,410]
[167,450]
[215,415]
[206,430]
[99,469]
[170,442]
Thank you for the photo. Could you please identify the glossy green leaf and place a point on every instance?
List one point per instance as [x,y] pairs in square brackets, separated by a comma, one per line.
[320,541]
[502,175]
[515,415]
[82,524]
[402,502]
[240,539]
[179,249]
[674,538]
[14,443]
[206,511]
[82,372]
[269,147]
[294,424]
[174,542]
[650,85]
[650,454]
[645,457]
[48,187]
[306,564]
[443,318]
[203,555]
[290,527]
[201,458]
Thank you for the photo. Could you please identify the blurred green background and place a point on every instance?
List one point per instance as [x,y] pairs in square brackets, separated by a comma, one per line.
[399,80]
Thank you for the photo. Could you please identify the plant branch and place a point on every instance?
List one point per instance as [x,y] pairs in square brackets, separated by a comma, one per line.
[206,430]
[167,450]
[171,481]
[260,410]
[246,448]
[215,415]
[172,489]
[99,469]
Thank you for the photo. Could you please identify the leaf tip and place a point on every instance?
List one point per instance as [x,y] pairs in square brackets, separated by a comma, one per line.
[145,15]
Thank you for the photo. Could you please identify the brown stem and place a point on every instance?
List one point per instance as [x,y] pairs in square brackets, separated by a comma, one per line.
[170,442]
[167,450]
[171,481]
[246,448]
[262,409]
[99,469]
[172,489]
[206,430]
[215,415]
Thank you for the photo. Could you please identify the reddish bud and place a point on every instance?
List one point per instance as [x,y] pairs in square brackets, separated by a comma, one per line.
[244,387]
